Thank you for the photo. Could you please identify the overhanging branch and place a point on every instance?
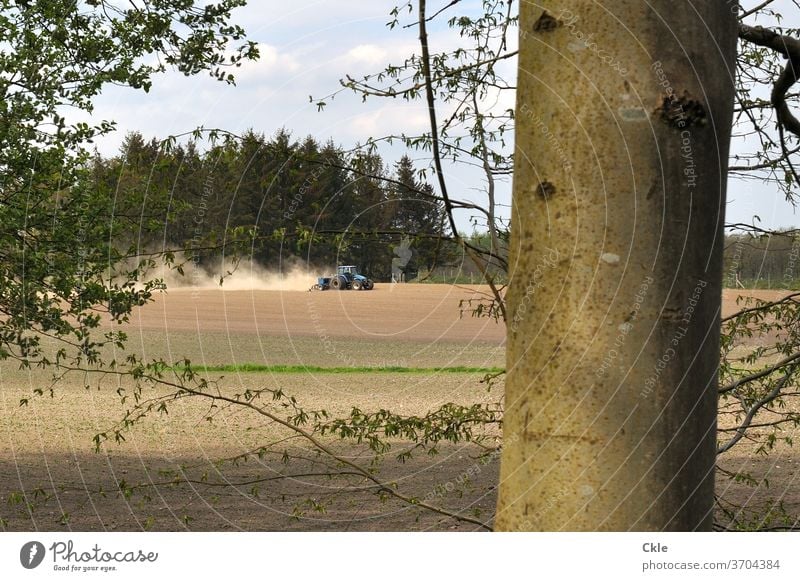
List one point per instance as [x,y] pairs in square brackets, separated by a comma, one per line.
[789,47]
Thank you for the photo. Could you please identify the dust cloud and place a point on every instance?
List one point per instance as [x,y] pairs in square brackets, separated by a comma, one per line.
[243,277]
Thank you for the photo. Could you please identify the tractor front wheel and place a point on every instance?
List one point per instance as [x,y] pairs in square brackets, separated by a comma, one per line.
[356,285]
[369,285]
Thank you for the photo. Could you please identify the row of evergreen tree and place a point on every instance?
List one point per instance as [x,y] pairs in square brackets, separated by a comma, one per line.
[296,200]
[302,201]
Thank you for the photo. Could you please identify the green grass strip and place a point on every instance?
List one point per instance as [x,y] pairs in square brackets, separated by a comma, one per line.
[254,368]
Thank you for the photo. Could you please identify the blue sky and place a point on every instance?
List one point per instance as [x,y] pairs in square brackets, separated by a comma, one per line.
[306,47]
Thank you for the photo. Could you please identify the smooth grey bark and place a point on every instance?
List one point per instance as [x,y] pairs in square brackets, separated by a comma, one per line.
[623,125]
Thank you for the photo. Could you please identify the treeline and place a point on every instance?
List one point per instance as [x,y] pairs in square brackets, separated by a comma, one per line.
[765,261]
[289,200]
[282,201]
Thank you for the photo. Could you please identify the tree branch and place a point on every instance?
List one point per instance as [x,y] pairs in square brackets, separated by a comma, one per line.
[756,9]
[761,374]
[754,409]
[789,47]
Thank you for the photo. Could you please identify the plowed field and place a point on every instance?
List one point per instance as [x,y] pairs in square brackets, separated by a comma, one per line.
[51,478]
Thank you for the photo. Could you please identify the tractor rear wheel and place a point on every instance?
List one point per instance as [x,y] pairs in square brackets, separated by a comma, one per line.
[338,283]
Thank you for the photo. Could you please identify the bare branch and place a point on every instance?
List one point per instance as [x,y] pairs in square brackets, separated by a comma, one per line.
[790,48]
[756,9]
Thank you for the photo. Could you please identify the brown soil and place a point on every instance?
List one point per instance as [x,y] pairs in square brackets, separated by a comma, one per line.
[402,312]
[46,447]
[46,450]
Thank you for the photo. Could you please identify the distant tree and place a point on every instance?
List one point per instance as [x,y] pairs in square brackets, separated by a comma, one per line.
[417,211]
[324,189]
[361,216]
[762,260]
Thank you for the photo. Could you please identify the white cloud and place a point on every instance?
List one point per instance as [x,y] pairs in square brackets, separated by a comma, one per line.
[272,62]
[369,54]
[391,119]
[270,18]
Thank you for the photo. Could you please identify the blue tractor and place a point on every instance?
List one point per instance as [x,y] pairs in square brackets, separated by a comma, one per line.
[346,278]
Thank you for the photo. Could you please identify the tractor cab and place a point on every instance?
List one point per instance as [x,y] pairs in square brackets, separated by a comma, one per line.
[348,271]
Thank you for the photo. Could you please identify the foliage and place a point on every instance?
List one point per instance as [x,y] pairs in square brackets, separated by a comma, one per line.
[60,272]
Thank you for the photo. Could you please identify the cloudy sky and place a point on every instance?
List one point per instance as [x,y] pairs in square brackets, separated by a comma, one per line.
[306,47]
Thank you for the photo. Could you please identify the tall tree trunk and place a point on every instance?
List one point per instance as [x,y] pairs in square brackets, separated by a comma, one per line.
[623,120]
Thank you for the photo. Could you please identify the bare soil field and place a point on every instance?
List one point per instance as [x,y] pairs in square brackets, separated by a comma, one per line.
[46,450]
[55,480]
[401,312]
[52,479]
[391,326]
